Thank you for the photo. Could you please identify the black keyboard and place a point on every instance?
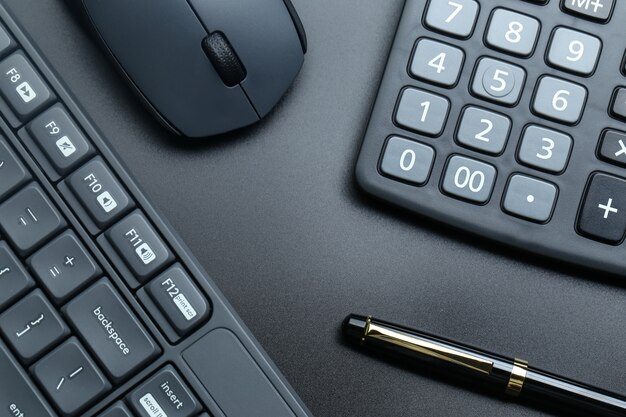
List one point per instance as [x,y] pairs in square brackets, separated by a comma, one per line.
[507,119]
[103,311]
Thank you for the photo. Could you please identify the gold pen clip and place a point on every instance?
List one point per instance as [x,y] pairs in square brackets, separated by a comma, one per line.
[427,348]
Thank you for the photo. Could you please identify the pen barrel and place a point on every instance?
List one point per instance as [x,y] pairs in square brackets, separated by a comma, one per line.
[502,374]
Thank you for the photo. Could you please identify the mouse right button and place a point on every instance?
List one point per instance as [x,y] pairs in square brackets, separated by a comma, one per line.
[232,377]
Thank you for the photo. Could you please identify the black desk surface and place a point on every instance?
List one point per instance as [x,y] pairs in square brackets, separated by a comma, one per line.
[274,215]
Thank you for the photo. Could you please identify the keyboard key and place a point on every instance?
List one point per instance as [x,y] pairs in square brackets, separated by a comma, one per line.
[12,171]
[7,44]
[512,32]
[530,198]
[18,396]
[574,51]
[110,330]
[437,62]
[618,107]
[407,160]
[498,81]
[469,179]
[545,149]
[100,193]
[593,9]
[117,410]
[14,280]
[483,130]
[613,147]
[559,100]
[22,86]
[179,299]
[453,18]
[70,378]
[603,214]
[422,112]
[63,266]
[32,326]
[164,394]
[143,250]
[60,139]
[29,218]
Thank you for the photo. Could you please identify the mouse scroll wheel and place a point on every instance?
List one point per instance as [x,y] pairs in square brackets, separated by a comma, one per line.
[224,59]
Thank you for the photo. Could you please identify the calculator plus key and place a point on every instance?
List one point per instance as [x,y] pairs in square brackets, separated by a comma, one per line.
[32,326]
[63,266]
[100,193]
[456,18]
[70,377]
[29,218]
[613,147]
[61,140]
[22,86]
[603,214]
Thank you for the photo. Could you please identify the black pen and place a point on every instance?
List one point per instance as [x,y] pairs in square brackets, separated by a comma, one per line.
[512,376]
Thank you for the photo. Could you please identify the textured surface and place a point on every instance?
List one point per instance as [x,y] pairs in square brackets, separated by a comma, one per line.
[274,215]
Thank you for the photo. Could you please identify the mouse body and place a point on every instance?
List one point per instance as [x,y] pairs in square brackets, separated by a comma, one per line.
[202,67]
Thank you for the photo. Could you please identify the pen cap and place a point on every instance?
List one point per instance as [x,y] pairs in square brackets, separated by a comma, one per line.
[354,327]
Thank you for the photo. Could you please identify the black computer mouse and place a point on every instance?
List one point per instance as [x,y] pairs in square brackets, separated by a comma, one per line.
[203,67]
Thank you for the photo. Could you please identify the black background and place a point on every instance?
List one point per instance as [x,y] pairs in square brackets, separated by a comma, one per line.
[275,217]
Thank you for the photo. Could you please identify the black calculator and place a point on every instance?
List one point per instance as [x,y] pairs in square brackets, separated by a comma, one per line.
[508,119]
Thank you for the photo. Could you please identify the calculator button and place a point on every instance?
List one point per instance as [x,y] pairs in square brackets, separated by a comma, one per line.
[100,193]
[110,330]
[29,218]
[407,160]
[14,280]
[574,51]
[456,18]
[179,299]
[70,377]
[164,394]
[618,107]
[593,9]
[512,32]
[437,62]
[32,326]
[140,246]
[530,198]
[559,100]
[483,130]
[22,86]
[63,266]
[58,136]
[498,81]
[613,147]
[545,149]
[603,215]
[469,179]
[422,112]
[12,171]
